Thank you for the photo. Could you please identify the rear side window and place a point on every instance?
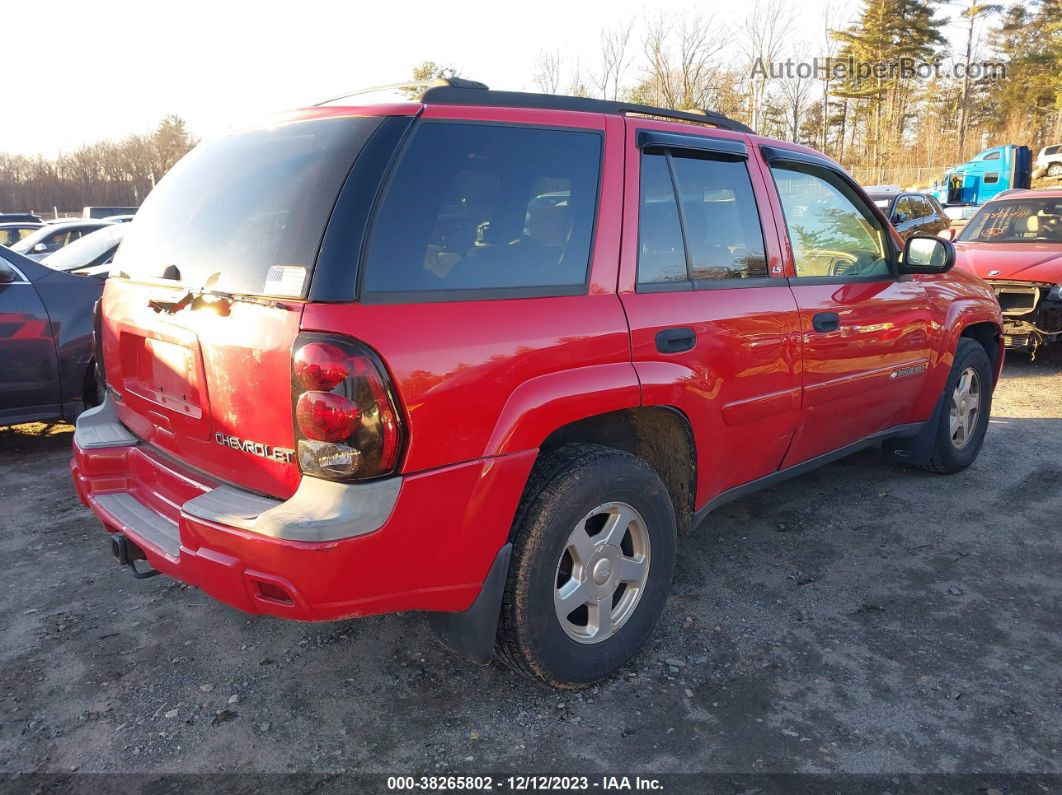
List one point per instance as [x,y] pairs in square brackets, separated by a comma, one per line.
[921,206]
[484,210]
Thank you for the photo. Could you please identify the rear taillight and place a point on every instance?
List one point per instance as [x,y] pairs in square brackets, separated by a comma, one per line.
[347,425]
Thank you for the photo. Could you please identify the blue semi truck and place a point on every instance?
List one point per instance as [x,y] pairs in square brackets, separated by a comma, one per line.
[992,171]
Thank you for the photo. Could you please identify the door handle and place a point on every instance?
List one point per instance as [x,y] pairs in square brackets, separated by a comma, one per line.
[826,321]
[675,340]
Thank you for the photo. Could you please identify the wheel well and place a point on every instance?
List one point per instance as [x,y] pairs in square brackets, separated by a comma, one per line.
[660,436]
[987,334]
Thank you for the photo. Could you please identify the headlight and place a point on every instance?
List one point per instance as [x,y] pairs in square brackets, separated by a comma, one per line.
[1055,293]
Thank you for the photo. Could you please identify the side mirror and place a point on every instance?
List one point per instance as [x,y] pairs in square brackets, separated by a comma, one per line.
[37,249]
[925,254]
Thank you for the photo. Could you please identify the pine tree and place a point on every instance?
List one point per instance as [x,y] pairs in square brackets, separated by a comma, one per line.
[889,36]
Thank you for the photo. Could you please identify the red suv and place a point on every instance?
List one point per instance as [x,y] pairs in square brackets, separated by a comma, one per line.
[487,354]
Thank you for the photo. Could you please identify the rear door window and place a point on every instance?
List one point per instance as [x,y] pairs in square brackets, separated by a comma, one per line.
[698,223]
[485,210]
[722,223]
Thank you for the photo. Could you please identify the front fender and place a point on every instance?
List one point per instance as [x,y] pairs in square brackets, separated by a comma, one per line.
[961,314]
[541,405]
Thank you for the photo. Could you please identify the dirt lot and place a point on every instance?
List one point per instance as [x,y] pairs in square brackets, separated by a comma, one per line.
[864,618]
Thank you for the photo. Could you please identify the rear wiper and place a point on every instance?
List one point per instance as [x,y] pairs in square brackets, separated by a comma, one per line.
[190,298]
[208,298]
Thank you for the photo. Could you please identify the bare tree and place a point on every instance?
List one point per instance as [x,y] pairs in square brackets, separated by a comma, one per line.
[107,172]
[681,69]
[829,50]
[764,30]
[615,60]
[548,71]
[795,90]
[577,84]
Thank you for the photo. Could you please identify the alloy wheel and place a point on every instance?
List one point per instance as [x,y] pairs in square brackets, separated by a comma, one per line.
[602,572]
[965,407]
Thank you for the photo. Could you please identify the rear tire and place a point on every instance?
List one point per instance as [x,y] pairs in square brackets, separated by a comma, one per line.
[1054,170]
[595,533]
[963,421]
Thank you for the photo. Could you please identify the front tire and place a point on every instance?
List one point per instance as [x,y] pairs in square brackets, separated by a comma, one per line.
[593,553]
[1054,170]
[963,422]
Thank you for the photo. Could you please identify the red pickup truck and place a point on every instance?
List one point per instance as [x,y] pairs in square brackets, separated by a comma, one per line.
[488,354]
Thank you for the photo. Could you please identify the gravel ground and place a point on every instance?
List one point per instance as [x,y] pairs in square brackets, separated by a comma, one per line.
[864,618]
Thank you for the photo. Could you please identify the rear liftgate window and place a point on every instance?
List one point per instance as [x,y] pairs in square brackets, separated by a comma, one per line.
[485,211]
[250,207]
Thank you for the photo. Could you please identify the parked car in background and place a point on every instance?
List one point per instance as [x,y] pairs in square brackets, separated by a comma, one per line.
[12,232]
[18,217]
[1015,244]
[1048,162]
[91,255]
[486,354]
[103,212]
[52,237]
[911,213]
[47,366]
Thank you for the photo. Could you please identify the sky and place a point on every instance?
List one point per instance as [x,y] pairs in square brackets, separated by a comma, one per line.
[105,70]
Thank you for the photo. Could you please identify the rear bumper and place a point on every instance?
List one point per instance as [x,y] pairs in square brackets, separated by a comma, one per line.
[420,542]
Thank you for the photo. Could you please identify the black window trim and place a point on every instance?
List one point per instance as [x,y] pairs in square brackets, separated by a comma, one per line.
[444,295]
[773,155]
[669,142]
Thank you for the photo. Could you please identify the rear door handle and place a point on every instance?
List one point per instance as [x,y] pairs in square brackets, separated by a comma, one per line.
[675,340]
[826,321]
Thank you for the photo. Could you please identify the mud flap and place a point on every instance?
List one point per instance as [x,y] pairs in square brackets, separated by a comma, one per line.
[471,633]
[916,450]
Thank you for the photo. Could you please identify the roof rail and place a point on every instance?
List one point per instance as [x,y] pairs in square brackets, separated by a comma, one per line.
[458,91]
[415,89]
